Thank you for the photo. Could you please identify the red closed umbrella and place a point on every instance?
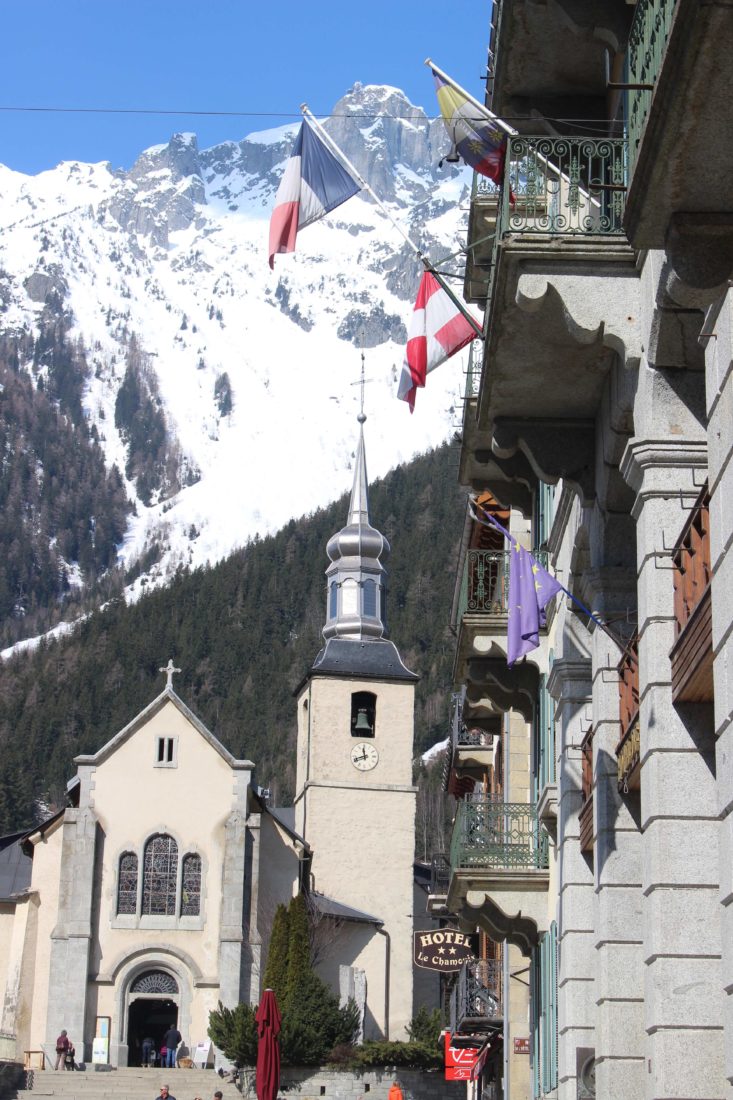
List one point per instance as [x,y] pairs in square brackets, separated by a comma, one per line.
[268,1048]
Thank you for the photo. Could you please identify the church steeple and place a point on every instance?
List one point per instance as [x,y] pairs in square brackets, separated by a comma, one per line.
[356,576]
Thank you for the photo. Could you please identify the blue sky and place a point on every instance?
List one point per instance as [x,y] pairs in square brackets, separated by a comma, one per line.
[263,57]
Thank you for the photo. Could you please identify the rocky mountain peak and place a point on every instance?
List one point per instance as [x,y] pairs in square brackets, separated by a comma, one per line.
[179,158]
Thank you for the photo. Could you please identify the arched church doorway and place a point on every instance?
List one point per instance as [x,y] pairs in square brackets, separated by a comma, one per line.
[152,1009]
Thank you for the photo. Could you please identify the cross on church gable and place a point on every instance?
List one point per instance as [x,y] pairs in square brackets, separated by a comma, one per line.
[169,670]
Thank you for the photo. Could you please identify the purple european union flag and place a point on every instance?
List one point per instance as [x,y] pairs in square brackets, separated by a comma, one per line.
[530,590]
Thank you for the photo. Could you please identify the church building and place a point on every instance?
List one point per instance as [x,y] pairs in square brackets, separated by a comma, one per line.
[150,898]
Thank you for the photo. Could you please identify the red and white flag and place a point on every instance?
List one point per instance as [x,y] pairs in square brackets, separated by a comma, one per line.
[438,330]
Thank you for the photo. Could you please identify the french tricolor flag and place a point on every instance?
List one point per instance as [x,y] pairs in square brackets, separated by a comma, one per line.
[313,184]
[438,330]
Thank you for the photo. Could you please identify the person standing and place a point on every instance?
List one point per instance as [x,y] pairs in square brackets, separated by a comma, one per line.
[395,1093]
[69,1057]
[62,1045]
[165,1094]
[148,1048]
[171,1039]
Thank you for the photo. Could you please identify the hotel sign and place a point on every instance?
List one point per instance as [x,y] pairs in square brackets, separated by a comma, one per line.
[444,949]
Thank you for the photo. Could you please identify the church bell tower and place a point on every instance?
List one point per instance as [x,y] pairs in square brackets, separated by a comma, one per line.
[355,800]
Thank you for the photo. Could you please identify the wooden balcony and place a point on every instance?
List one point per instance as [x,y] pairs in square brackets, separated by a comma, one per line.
[692,653]
[628,750]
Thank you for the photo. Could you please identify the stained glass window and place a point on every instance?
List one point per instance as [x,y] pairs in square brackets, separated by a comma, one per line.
[160,871]
[127,884]
[154,981]
[191,886]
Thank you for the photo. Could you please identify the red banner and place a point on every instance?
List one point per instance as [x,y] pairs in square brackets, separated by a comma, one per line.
[459,1061]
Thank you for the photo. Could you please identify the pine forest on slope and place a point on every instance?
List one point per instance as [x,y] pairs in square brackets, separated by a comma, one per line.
[244,634]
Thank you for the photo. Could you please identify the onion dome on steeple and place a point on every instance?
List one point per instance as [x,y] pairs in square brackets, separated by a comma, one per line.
[356,576]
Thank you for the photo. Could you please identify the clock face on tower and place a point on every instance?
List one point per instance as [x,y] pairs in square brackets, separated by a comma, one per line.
[364,756]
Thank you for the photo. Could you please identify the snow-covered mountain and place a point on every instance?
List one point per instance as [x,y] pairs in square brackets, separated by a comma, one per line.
[256,372]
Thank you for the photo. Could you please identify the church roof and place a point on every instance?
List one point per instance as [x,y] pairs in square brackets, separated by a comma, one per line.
[285,817]
[375,659]
[15,866]
[328,907]
[168,695]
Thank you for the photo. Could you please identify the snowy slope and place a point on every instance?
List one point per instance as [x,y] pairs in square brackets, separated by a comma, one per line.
[173,253]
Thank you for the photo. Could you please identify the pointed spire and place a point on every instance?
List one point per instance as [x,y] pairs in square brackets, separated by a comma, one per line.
[359,504]
[356,576]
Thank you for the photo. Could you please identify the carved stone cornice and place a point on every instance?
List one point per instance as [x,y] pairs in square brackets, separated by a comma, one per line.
[571,679]
[652,466]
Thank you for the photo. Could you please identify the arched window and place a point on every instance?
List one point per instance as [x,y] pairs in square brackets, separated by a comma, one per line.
[370,598]
[191,886]
[160,871]
[127,884]
[349,597]
[154,981]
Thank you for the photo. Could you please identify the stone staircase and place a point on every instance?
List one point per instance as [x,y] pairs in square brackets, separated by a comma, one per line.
[124,1084]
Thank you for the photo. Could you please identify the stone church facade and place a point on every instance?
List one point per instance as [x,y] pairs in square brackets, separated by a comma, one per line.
[142,904]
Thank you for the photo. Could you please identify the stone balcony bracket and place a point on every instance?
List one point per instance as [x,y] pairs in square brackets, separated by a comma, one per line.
[545,444]
[508,688]
[513,908]
[602,311]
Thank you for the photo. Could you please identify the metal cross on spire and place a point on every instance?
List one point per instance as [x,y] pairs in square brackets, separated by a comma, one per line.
[169,669]
[361,383]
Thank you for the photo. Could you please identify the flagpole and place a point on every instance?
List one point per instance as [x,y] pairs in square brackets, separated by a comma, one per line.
[475,325]
[505,126]
[484,110]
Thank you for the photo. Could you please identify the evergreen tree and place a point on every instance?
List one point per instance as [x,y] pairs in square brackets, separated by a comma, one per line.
[234,1031]
[276,971]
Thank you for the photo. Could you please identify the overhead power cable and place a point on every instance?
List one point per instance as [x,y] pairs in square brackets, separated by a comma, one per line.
[366,117]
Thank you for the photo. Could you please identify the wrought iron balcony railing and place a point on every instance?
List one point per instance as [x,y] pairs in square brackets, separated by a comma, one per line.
[485,582]
[564,186]
[477,994]
[475,738]
[499,835]
[439,875]
[646,50]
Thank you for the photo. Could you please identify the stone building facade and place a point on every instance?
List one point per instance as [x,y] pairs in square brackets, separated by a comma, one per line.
[599,418]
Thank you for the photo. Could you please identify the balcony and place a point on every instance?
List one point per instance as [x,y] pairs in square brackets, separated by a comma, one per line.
[628,750]
[480,621]
[499,870]
[476,998]
[438,886]
[551,59]
[692,653]
[561,306]
[678,56]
